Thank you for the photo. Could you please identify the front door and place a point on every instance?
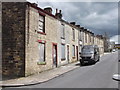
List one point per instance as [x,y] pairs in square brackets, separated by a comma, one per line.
[68,53]
[77,52]
[54,55]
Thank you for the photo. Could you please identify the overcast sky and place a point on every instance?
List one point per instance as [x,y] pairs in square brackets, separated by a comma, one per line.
[99,17]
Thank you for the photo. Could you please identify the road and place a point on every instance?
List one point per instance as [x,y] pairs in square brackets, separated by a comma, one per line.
[98,75]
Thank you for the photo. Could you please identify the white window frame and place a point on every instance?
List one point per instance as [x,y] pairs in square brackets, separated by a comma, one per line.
[63,52]
[62,31]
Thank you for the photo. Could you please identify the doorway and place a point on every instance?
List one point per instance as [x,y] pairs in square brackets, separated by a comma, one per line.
[77,52]
[54,55]
[68,53]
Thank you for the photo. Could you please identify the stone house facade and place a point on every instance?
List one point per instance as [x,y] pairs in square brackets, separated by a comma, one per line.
[35,40]
[98,40]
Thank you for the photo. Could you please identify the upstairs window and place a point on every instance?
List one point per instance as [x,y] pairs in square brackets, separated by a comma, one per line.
[90,37]
[73,32]
[41,24]
[62,31]
[80,35]
[86,37]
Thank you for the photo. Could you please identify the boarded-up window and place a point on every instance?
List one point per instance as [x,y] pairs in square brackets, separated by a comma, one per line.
[62,51]
[62,31]
[73,51]
[41,52]
[41,24]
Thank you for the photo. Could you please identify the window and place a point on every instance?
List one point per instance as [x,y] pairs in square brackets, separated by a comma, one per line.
[86,37]
[73,31]
[62,51]
[42,52]
[62,31]
[73,50]
[80,35]
[80,46]
[90,37]
[41,24]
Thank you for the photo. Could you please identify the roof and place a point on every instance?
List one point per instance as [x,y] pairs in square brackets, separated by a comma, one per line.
[74,26]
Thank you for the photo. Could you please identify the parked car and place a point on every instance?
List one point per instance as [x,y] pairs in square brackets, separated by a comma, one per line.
[113,50]
[89,54]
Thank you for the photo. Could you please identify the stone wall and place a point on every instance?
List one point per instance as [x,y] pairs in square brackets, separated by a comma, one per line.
[32,44]
[13,39]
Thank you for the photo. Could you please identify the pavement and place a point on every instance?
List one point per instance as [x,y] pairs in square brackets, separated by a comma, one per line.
[40,77]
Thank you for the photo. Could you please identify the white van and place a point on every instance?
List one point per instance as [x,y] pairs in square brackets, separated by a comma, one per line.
[89,54]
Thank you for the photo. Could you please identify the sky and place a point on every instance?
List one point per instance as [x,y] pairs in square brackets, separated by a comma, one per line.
[98,17]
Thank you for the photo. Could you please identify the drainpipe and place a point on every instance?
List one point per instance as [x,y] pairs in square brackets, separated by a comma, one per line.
[28,21]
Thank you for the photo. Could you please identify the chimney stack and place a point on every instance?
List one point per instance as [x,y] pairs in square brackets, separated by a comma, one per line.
[35,4]
[77,25]
[73,23]
[85,30]
[82,27]
[58,14]
[48,10]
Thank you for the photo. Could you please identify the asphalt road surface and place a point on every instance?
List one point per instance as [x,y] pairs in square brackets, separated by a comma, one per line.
[98,75]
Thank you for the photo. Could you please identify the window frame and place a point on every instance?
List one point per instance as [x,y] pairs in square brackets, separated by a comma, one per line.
[41,22]
[73,33]
[80,35]
[42,42]
[62,31]
[73,49]
[62,59]
[86,40]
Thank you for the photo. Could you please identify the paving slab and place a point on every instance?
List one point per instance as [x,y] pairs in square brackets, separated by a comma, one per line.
[40,77]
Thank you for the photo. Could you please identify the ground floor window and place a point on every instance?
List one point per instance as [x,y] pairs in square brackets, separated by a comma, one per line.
[42,52]
[62,51]
[73,51]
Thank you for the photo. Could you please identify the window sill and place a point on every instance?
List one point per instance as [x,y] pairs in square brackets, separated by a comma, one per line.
[41,33]
[41,63]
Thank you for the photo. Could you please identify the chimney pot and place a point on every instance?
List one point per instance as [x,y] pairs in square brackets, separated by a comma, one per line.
[56,10]
[48,9]
[60,11]
[58,15]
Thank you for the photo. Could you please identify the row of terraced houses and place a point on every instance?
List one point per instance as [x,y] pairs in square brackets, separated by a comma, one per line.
[35,40]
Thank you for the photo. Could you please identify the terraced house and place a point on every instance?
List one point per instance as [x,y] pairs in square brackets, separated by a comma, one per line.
[35,40]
